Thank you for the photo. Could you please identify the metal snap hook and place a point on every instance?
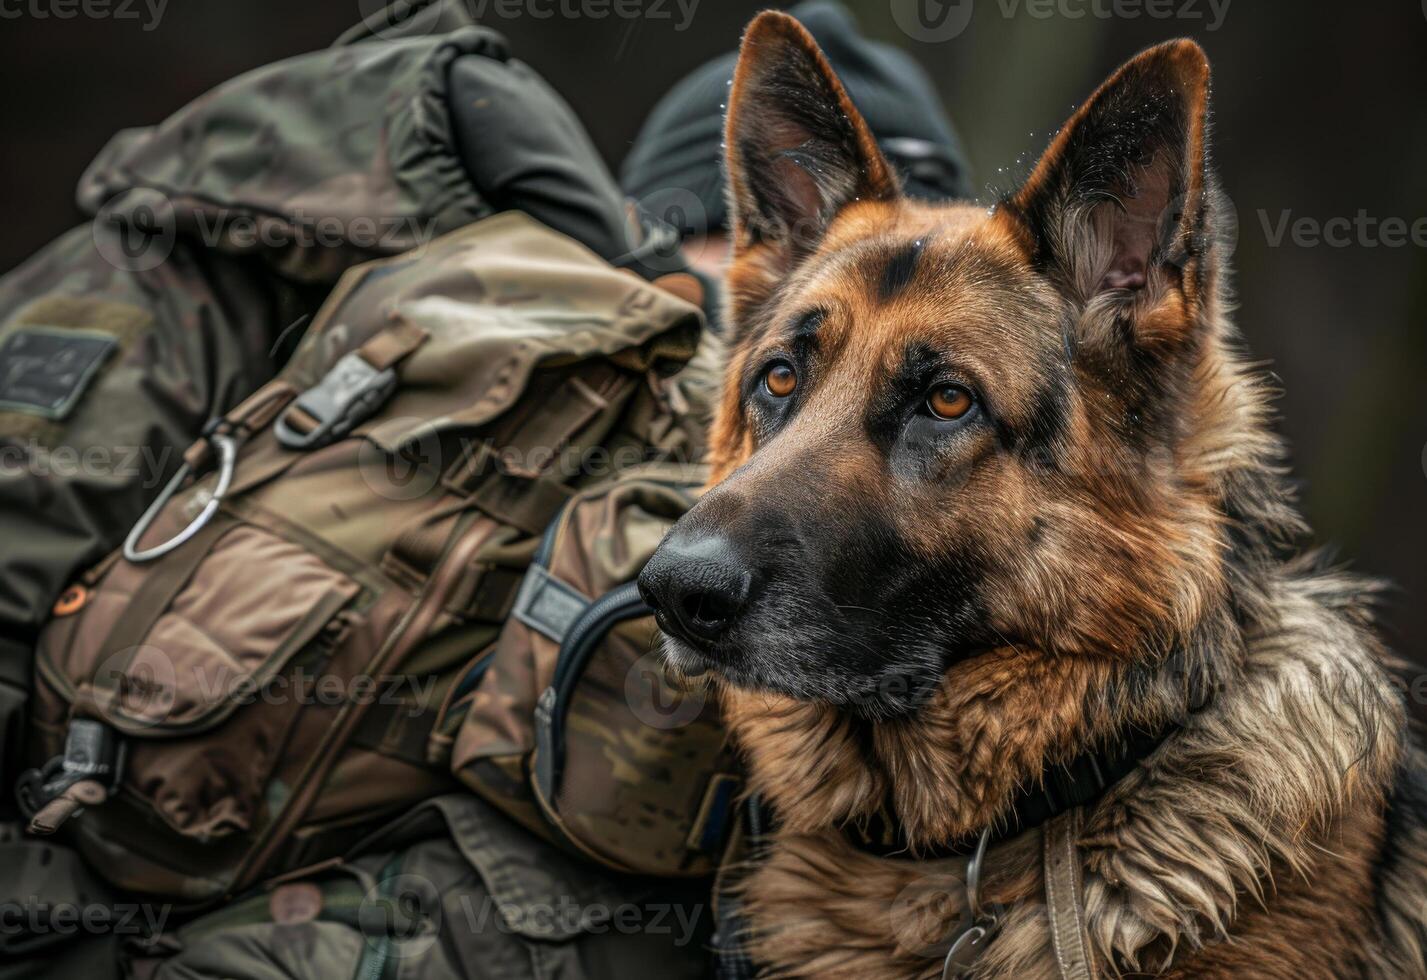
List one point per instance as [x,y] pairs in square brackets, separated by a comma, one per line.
[973,940]
[227,459]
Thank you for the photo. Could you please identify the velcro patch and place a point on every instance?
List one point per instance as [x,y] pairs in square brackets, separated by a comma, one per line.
[44,371]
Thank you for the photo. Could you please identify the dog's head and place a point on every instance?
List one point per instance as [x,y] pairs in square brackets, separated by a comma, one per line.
[948,428]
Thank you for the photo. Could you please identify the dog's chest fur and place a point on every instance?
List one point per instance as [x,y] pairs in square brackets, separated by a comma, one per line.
[1248,845]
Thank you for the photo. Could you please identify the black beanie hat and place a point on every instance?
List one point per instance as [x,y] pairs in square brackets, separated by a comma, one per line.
[676,164]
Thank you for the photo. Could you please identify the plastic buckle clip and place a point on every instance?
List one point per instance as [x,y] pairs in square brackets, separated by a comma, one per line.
[92,751]
[350,392]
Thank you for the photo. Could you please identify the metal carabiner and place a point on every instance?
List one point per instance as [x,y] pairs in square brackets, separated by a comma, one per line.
[227,458]
[973,940]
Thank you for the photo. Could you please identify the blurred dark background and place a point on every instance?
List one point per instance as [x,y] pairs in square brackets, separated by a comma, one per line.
[1318,114]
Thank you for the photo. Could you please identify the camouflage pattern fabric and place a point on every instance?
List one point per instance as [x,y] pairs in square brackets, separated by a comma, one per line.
[214,235]
[376,565]
[577,730]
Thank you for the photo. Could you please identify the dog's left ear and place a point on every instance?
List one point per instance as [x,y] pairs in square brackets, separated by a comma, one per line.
[1118,200]
[797,150]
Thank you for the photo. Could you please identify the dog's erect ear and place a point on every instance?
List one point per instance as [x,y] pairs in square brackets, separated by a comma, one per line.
[1119,197]
[798,151]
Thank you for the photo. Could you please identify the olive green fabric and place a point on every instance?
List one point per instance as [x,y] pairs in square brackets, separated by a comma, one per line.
[57,920]
[376,566]
[473,895]
[216,235]
[311,164]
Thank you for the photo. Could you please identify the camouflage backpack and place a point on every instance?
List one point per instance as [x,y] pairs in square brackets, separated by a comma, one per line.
[275,660]
[572,726]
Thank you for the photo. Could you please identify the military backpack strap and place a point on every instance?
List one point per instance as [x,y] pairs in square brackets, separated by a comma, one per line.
[355,387]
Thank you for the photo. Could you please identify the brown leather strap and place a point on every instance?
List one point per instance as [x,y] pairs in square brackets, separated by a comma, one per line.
[1063,897]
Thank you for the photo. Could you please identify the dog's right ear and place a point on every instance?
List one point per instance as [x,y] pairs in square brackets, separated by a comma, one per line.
[798,152]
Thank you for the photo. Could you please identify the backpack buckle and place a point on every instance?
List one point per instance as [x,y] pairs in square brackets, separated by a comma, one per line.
[347,395]
[86,775]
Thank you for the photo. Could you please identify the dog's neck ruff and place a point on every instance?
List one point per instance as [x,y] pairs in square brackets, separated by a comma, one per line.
[1062,787]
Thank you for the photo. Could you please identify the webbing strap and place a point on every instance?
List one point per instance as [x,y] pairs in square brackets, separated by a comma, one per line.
[520,502]
[351,389]
[485,593]
[392,344]
[150,601]
[547,605]
[302,420]
[249,415]
[419,547]
[262,406]
[514,492]
[397,729]
[1063,897]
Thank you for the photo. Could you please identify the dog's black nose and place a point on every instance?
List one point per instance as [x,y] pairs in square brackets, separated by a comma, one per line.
[697,585]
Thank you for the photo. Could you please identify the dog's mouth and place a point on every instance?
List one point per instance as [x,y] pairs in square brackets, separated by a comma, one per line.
[896,690]
[684,658]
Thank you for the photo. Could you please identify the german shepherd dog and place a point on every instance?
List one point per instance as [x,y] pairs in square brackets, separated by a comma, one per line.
[997,503]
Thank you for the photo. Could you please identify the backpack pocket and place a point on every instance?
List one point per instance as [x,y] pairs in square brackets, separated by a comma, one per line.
[574,727]
[169,655]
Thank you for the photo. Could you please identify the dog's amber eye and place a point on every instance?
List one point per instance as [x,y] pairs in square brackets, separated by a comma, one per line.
[949,402]
[780,380]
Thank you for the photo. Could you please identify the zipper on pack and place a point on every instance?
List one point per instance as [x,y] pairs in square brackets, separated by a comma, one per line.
[372,965]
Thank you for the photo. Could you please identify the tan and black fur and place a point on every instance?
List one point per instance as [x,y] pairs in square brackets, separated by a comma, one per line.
[913,615]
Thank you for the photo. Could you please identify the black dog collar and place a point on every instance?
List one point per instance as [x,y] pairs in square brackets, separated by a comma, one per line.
[1082,780]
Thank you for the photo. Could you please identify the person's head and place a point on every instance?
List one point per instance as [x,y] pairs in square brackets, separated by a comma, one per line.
[675,167]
